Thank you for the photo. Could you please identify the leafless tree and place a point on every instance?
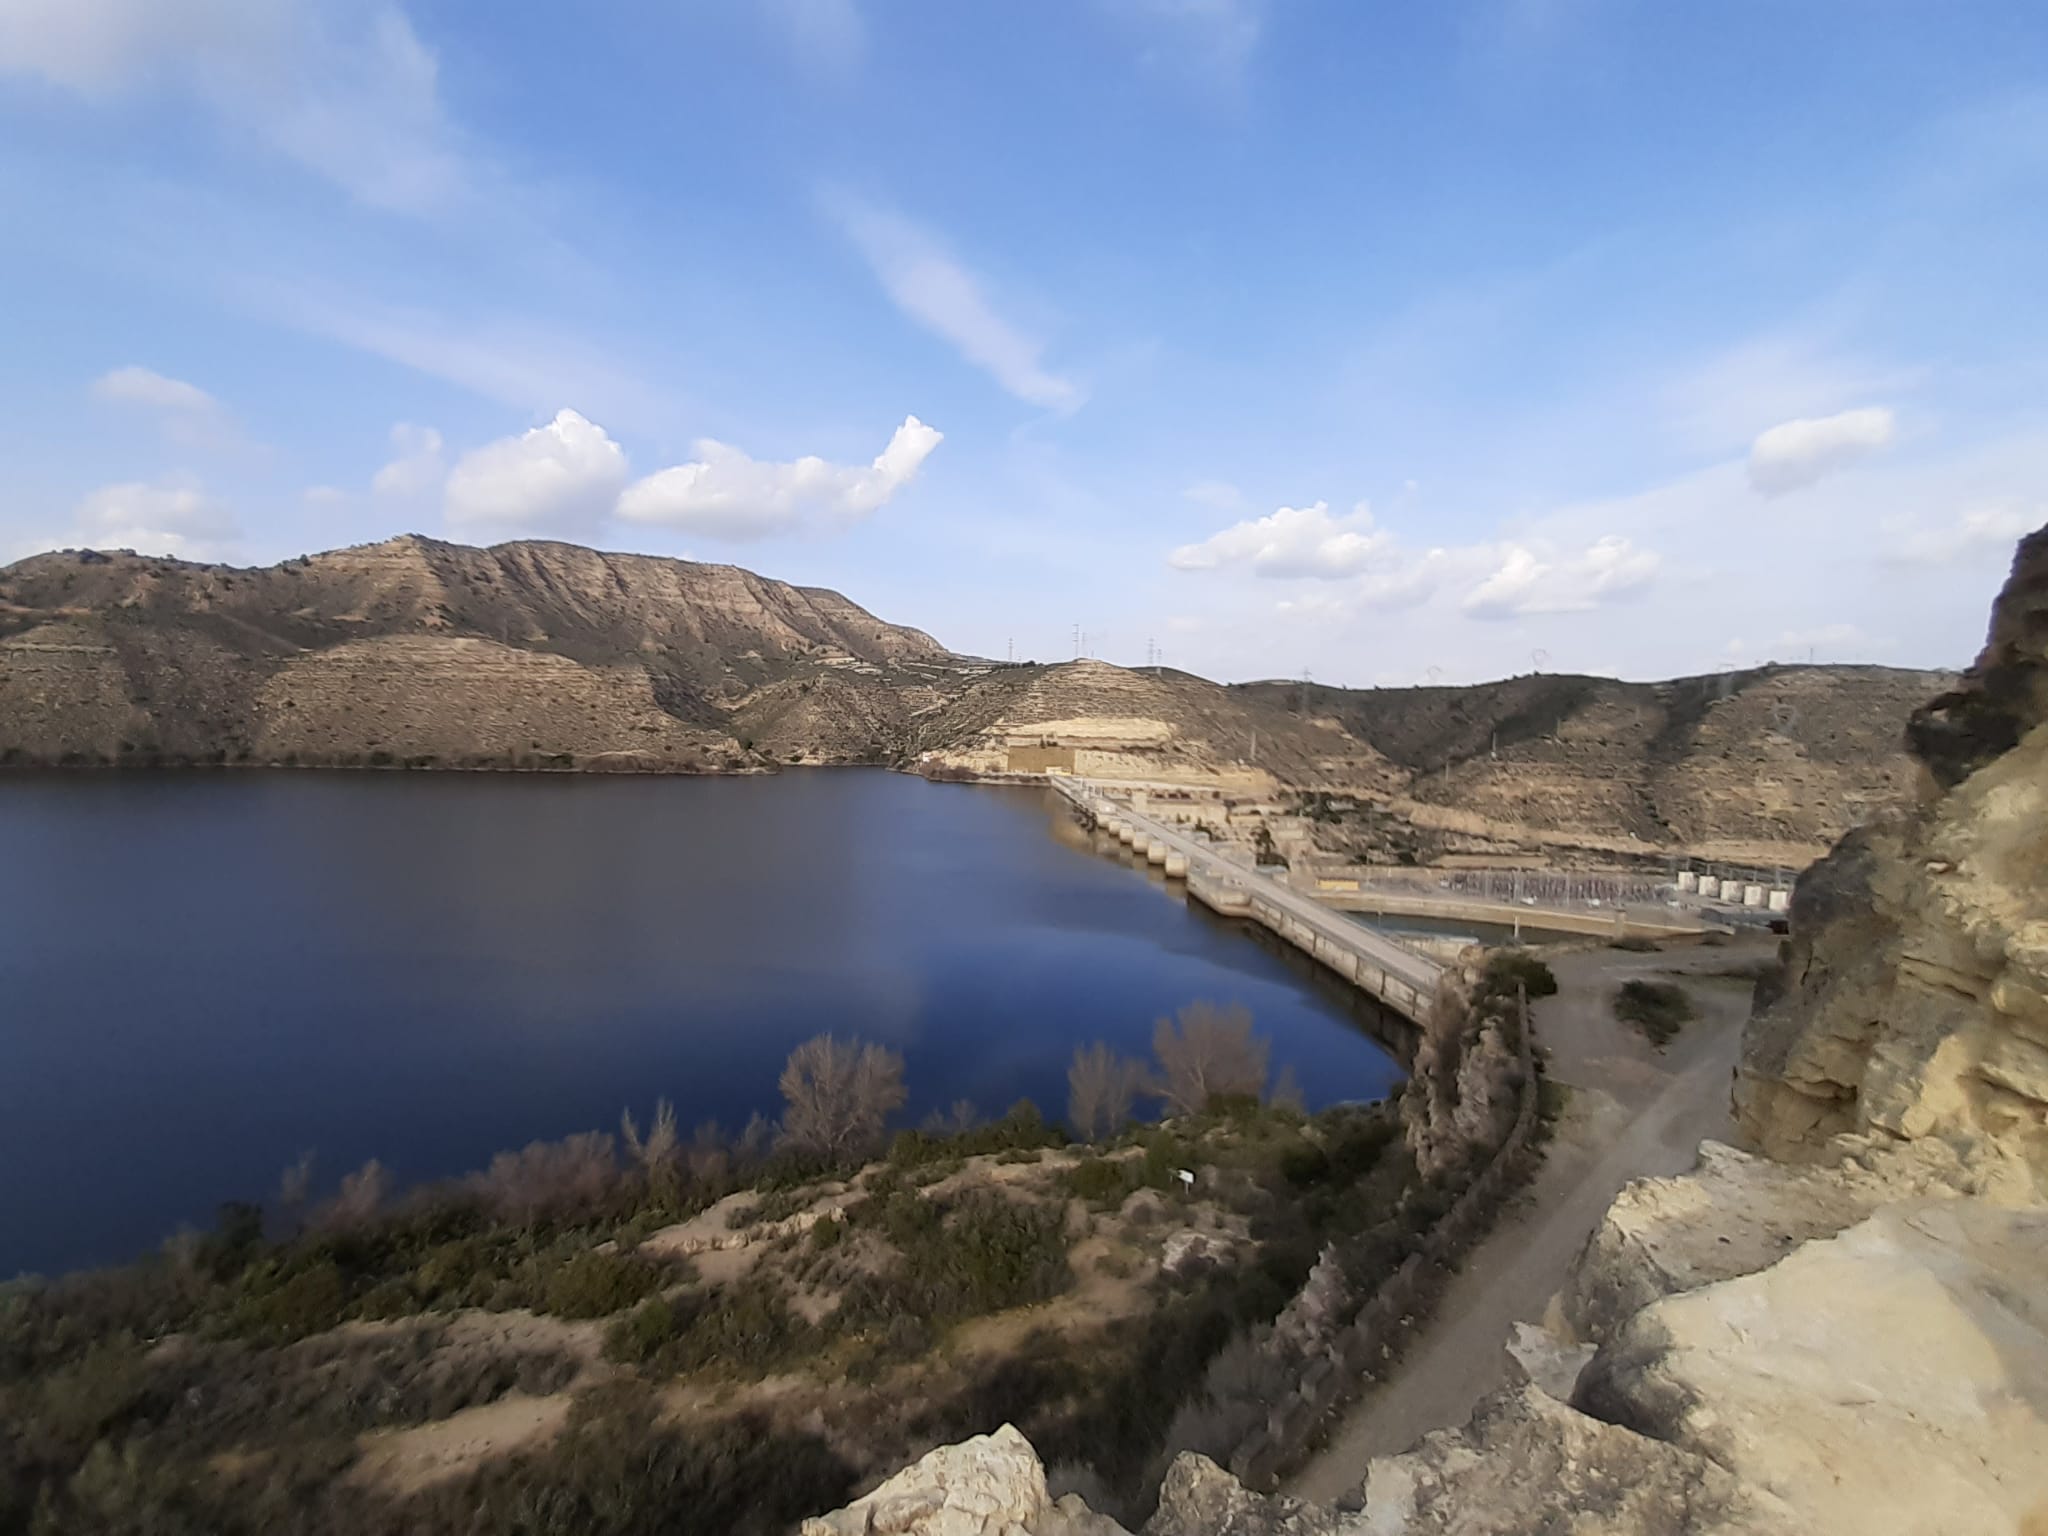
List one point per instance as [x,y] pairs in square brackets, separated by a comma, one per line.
[1207,1052]
[1101,1087]
[840,1094]
[549,1177]
[961,1118]
[659,1152]
[362,1194]
[1287,1092]
[710,1158]
[294,1185]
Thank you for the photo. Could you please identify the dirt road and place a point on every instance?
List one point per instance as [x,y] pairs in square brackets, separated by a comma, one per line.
[1633,1112]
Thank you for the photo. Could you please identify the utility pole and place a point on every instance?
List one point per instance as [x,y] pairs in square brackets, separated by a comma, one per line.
[1077,642]
[1304,692]
[1013,650]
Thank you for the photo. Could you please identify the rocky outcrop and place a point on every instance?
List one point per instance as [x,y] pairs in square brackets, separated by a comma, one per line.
[992,1485]
[1465,1079]
[1915,1001]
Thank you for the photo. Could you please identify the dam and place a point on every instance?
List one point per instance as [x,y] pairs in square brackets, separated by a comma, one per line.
[1398,977]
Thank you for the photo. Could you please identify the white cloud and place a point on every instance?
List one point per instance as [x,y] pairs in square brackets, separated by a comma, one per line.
[562,478]
[135,385]
[1795,454]
[348,91]
[728,495]
[1980,533]
[1530,581]
[1292,541]
[165,517]
[415,467]
[323,496]
[931,287]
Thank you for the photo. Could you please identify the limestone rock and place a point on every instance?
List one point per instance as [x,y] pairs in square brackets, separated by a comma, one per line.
[1199,1498]
[992,1485]
[1528,1464]
[1733,1214]
[1915,1004]
[1893,1378]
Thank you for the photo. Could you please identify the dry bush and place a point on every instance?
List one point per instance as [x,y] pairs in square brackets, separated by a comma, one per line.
[840,1094]
[1101,1087]
[660,1152]
[361,1196]
[1207,1053]
[547,1178]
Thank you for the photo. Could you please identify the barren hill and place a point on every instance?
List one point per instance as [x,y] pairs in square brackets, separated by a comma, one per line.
[1768,763]
[547,655]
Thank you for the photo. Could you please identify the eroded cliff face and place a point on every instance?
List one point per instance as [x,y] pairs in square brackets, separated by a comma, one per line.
[1915,1001]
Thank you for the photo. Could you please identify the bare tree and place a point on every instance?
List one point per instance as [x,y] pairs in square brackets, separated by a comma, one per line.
[710,1158]
[659,1152]
[1101,1087]
[840,1094]
[549,1177]
[362,1195]
[956,1121]
[1287,1092]
[1209,1052]
[294,1186]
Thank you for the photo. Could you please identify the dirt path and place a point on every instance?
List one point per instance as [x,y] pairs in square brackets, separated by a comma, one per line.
[1633,1113]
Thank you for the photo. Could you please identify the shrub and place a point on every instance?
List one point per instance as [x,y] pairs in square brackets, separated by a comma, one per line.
[1657,1008]
[280,1303]
[1506,967]
[1100,1181]
[597,1284]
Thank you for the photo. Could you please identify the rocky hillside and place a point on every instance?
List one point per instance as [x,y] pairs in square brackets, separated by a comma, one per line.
[412,650]
[547,655]
[1766,765]
[1846,1334]
[1916,1000]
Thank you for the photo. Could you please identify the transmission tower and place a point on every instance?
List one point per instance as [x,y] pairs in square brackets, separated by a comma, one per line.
[1304,691]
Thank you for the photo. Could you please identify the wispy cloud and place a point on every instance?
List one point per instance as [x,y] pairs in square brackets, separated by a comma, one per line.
[1795,454]
[1211,41]
[172,516]
[828,37]
[349,92]
[415,466]
[934,289]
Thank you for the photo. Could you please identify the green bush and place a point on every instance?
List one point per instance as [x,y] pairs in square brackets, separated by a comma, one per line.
[1303,1163]
[1657,1008]
[749,1329]
[1101,1181]
[597,1284]
[1506,967]
[642,1333]
[826,1233]
[279,1303]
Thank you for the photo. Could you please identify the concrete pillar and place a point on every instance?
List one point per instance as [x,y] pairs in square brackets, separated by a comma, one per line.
[1176,866]
[1155,852]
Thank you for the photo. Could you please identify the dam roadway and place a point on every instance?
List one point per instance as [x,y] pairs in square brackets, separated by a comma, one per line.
[1400,978]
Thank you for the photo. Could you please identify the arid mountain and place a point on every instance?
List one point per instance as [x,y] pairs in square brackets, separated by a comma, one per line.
[1764,764]
[530,653]
[547,655]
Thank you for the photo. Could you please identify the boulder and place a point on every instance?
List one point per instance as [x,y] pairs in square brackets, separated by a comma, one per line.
[992,1485]
[1893,1378]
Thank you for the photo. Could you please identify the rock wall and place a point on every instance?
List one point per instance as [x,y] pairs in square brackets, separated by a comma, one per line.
[1915,1000]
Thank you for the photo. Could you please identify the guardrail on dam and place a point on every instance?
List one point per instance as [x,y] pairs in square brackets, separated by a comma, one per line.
[1398,977]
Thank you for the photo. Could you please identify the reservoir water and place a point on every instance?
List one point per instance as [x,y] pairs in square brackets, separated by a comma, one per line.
[203,976]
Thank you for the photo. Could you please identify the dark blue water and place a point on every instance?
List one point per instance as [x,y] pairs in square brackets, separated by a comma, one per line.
[204,975]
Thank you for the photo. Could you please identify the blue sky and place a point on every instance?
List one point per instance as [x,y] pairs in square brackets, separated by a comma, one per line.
[1388,341]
